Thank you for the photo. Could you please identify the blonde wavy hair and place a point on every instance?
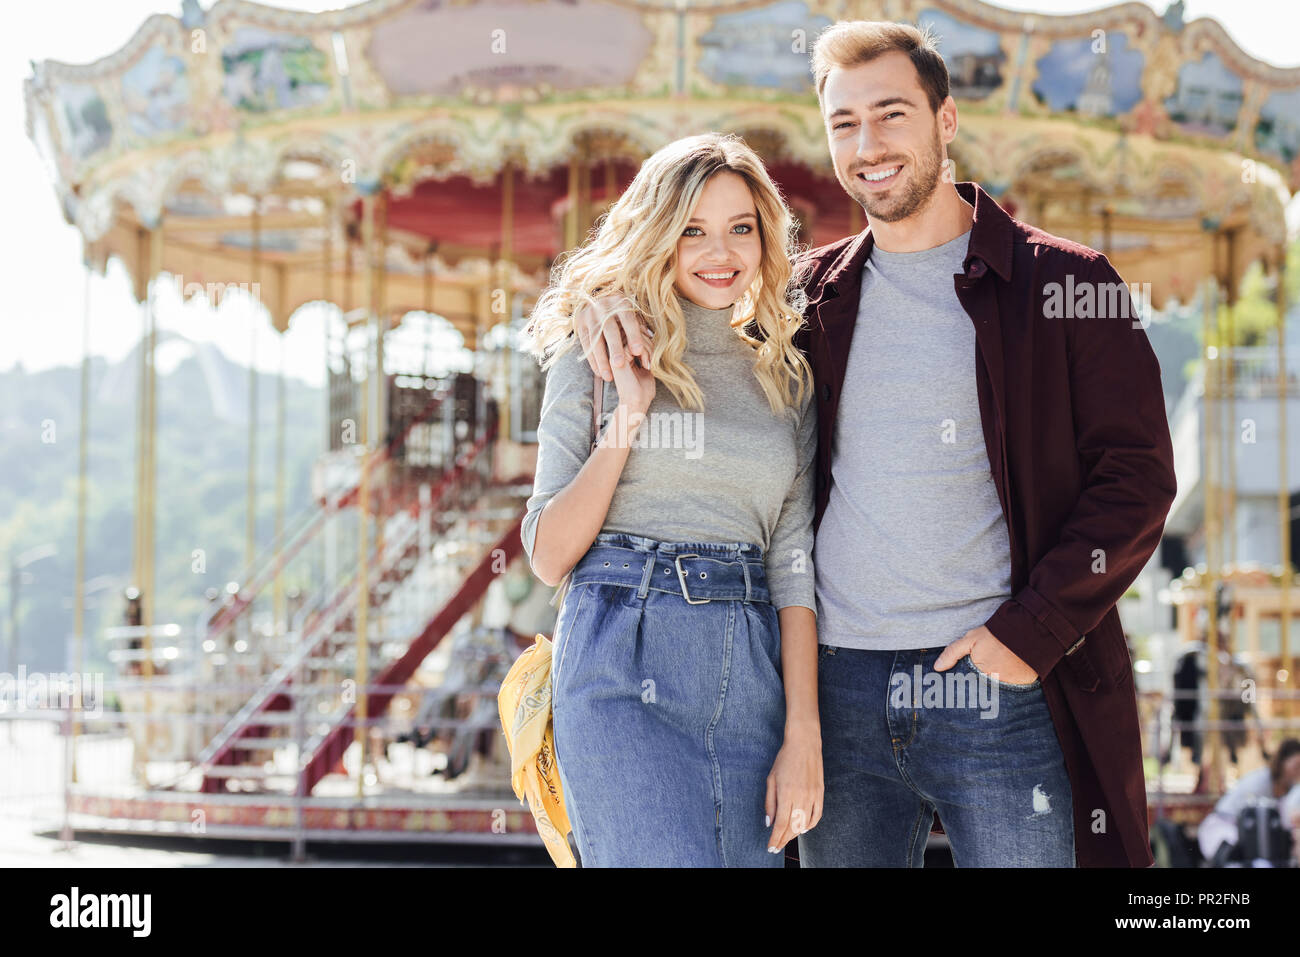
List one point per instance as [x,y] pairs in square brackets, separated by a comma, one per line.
[633,253]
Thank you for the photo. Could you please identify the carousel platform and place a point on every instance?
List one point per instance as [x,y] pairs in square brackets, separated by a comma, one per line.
[469,817]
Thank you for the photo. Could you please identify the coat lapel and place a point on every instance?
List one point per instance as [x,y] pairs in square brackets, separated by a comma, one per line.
[837,307]
[989,259]
[835,312]
[990,252]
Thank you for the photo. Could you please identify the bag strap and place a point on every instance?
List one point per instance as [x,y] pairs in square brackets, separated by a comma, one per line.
[597,404]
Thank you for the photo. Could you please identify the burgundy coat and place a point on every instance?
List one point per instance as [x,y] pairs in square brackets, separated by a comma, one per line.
[1078,441]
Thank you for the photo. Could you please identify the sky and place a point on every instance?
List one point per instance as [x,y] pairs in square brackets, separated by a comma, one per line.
[44,280]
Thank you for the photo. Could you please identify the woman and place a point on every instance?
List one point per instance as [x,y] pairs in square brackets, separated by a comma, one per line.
[1279,780]
[684,687]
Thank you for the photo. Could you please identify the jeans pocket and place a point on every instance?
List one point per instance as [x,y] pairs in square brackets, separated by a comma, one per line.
[765,626]
[1034,685]
[569,626]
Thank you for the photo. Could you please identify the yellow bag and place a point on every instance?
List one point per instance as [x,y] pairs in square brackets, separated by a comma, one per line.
[524,703]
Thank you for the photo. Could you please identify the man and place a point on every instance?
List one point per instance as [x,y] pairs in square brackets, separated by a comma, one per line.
[994,470]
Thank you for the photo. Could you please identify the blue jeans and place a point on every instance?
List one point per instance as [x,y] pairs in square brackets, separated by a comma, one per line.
[901,741]
[668,715]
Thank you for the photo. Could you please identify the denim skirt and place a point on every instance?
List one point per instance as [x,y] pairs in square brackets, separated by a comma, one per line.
[668,703]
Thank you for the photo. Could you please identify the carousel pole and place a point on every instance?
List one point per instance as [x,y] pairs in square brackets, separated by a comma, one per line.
[277,586]
[426,288]
[150,436]
[1209,469]
[1231,435]
[330,555]
[381,483]
[328,543]
[354,394]
[348,278]
[380,306]
[83,437]
[363,500]
[135,667]
[507,257]
[426,372]
[584,193]
[381,380]
[141,285]
[1283,493]
[152,280]
[327,296]
[571,219]
[250,518]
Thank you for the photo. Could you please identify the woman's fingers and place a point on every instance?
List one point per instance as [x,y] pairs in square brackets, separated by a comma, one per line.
[633,332]
[799,815]
[778,814]
[794,808]
[611,333]
[612,340]
[780,823]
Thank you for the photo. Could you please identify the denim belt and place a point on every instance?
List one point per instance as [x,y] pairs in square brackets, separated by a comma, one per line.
[711,574]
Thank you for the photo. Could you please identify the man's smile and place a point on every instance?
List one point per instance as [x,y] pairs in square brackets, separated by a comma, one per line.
[880,179]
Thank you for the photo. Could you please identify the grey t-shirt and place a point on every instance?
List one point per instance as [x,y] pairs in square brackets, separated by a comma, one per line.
[912,551]
[734,472]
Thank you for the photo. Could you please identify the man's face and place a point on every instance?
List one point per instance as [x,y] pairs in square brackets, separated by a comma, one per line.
[886,143]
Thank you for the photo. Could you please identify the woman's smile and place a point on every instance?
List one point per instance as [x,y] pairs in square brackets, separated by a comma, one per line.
[718,278]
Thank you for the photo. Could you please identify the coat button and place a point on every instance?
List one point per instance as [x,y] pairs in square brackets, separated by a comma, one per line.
[976,269]
[826,392]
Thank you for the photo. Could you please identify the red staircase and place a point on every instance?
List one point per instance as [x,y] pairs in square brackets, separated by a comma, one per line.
[327,753]
[304,528]
[328,631]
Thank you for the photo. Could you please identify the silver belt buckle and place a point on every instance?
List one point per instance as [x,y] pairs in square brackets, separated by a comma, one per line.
[681,577]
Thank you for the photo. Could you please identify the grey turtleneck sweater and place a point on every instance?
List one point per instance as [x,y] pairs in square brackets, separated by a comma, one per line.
[731,473]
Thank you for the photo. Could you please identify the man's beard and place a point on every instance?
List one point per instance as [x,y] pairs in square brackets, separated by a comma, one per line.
[915,194]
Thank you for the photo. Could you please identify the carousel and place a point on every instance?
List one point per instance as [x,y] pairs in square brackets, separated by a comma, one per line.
[415,169]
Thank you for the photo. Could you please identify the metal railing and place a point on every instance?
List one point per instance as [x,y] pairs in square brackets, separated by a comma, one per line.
[51,780]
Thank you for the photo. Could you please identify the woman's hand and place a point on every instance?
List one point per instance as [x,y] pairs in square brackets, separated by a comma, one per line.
[636,385]
[795,787]
[614,331]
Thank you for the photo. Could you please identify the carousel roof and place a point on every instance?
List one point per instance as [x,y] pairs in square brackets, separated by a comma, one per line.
[1121,128]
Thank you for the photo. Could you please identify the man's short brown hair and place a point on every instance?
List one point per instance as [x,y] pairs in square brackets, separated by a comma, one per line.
[854,42]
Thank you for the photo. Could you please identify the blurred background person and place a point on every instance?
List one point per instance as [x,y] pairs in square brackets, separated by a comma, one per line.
[1278,780]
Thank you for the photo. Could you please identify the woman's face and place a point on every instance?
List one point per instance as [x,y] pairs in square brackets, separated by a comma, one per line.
[1291,771]
[719,252]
